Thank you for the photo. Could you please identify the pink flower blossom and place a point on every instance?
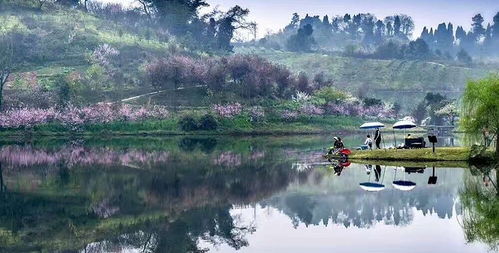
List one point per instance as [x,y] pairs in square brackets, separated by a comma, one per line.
[256,113]
[75,116]
[309,109]
[228,111]
[289,115]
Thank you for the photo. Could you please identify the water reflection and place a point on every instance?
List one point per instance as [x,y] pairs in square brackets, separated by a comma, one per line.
[341,202]
[181,194]
[480,201]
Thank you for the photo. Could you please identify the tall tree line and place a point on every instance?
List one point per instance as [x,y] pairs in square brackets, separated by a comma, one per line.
[480,40]
[363,29]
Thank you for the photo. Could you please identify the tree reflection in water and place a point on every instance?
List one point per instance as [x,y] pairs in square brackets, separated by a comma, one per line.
[480,206]
[179,197]
[105,199]
[341,201]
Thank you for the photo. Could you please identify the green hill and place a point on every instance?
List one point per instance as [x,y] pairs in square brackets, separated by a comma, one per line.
[378,74]
[402,81]
[58,41]
[61,42]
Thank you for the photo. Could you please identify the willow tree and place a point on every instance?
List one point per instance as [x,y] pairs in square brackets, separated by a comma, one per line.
[480,109]
[480,206]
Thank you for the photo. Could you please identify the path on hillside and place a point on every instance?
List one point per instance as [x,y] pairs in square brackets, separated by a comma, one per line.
[157,92]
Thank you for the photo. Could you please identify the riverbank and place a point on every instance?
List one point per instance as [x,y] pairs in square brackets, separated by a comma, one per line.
[419,155]
[170,127]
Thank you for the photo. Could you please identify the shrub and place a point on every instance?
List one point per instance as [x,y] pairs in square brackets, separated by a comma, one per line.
[368,102]
[245,75]
[289,115]
[188,123]
[310,109]
[256,114]
[175,71]
[331,94]
[208,122]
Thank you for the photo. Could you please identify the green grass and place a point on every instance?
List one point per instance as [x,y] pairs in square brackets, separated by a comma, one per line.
[72,35]
[422,155]
[236,126]
[378,74]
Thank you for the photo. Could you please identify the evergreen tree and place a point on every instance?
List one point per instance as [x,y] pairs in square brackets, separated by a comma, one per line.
[326,23]
[389,29]
[417,49]
[294,24]
[368,23]
[335,24]
[396,26]
[407,25]
[302,41]
[488,35]
[346,18]
[425,35]
[495,28]
[390,50]
[379,32]
[234,19]
[477,26]
[460,33]
[444,37]
[353,28]
[176,14]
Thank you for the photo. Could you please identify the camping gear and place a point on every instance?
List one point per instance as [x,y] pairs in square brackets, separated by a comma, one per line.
[402,124]
[417,142]
[410,170]
[342,153]
[345,152]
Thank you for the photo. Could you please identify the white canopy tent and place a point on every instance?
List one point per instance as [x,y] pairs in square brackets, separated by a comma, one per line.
[372,126]
[402,124]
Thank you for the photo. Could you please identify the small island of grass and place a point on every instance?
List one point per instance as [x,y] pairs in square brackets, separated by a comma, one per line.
[418,155]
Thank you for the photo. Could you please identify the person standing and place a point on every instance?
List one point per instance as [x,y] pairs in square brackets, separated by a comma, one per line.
[377,139]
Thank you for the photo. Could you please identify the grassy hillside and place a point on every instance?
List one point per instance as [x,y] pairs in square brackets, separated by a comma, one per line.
[66,39]
[377,74]
[61,42]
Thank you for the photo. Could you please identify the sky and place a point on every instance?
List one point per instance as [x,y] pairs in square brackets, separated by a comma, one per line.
[272,15]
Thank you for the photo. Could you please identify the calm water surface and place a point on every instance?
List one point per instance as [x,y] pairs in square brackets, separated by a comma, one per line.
[263,194]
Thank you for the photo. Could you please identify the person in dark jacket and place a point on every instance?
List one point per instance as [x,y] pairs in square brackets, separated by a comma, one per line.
[377,139]
[337,145]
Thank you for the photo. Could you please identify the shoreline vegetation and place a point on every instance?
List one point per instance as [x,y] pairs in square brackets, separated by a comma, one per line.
[442,154]
[166,127]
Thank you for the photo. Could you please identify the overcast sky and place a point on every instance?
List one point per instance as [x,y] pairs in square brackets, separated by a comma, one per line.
[272,15]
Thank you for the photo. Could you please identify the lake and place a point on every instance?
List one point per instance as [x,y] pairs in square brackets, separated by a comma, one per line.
[227,194]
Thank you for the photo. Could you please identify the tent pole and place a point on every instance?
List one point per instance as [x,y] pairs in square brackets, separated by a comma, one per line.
[395,139]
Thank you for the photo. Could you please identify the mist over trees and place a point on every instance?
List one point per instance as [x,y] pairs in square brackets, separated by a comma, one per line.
[479,41]
[365,35]
[363,29]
